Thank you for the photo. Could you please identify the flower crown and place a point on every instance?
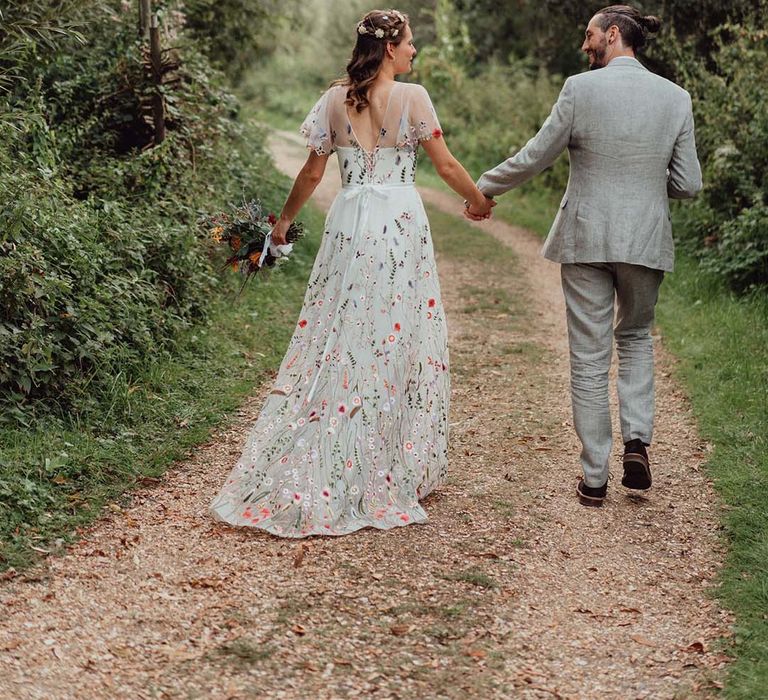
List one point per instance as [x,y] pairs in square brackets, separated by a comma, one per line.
[380,32]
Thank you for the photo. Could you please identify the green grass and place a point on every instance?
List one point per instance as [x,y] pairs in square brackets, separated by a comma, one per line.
[721,344]
[245,653]
[457,610]
[473,577]
[57,476]
[504,507]
[529,207]
[483,299]
[451,237]
[282,106]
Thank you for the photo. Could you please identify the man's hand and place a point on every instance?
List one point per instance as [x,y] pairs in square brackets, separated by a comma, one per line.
[479,213]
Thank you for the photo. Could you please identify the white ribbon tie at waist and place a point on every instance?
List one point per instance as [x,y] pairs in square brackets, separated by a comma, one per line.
[371,189]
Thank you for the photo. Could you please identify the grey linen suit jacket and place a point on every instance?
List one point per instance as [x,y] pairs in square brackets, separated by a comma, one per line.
[630,140]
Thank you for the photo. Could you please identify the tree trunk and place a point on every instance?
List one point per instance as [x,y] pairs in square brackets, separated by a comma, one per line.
[145,11]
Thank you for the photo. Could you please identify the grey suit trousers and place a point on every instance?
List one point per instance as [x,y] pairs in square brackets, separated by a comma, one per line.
[590,290]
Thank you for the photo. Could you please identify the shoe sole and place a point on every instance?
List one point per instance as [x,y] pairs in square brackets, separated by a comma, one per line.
[592,501]
[637,473]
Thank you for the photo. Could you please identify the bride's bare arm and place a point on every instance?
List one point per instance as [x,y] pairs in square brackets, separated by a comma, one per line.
[303,186]
[454,174]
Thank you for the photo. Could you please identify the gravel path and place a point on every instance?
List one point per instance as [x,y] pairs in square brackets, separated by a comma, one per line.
[512,589]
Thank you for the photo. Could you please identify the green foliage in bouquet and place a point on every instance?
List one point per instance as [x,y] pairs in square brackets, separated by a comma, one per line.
[244,230]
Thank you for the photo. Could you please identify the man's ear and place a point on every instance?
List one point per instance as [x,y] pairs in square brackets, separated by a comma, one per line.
[613,34]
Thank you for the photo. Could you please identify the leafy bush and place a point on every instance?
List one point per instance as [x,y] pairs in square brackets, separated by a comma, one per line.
[233,34]
[30,30]
[727,227]
[490,111]
[484,126]
[101,262]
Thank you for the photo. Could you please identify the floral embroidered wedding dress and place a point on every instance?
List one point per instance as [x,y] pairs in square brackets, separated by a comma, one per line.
[354,432]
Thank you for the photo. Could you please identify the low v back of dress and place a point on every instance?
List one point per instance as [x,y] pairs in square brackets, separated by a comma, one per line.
[367,126]
[354,431]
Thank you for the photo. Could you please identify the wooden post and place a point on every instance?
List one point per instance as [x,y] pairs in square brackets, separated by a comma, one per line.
[158,106]
[145,11]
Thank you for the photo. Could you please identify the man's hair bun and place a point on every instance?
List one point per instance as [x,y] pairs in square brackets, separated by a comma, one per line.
[651,23]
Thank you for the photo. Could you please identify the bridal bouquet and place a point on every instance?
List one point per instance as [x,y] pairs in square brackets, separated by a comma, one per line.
[246,230]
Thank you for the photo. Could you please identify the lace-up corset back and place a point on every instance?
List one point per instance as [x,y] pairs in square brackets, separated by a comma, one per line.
[409,119]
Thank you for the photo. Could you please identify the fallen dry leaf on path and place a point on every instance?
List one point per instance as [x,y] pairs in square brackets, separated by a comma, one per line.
[298,557]
[643,640]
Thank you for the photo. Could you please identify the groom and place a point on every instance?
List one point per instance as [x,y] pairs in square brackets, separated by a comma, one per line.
[629,135]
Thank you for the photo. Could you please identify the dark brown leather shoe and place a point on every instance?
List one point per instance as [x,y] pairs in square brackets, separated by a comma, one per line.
[589,496]
[637,469]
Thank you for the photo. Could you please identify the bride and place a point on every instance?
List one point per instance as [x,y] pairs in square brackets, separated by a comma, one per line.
[354,432]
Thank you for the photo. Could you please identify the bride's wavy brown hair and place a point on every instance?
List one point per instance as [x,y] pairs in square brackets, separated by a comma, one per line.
[369,53]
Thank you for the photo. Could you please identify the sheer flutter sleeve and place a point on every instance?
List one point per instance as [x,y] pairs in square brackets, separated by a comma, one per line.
[317,127]
[422,118]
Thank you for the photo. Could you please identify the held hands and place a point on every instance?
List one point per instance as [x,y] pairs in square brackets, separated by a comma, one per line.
[475,212]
